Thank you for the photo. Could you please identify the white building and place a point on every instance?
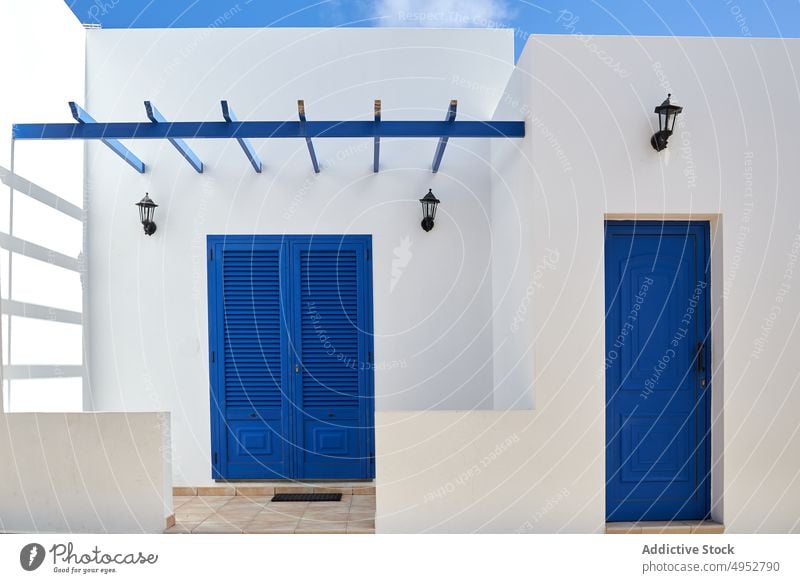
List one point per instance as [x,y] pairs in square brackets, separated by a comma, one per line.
[509,394]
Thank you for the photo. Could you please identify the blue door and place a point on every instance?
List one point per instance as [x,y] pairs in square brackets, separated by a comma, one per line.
[290,330]
[657,380]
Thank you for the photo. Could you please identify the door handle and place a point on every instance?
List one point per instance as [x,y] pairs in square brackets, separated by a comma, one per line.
[700,364]
[296,367]
[700,357]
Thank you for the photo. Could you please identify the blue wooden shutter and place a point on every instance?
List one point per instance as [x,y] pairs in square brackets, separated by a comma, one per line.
[252,361]
[331,349]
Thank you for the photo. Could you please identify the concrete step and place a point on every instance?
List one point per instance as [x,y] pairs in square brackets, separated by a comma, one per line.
[666,527]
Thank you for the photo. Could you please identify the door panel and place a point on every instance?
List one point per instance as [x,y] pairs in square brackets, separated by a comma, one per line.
[290,337]
[657,413]
[331,347]
[253,419]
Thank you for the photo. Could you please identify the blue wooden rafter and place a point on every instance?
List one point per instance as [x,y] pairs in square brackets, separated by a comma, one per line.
[155,116]
[84,119]
[377,156]
[301,112]
[451,117]
[230,117]
[159,129]
[269,129]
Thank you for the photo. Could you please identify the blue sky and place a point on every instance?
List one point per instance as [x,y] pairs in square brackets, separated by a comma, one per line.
[758,18]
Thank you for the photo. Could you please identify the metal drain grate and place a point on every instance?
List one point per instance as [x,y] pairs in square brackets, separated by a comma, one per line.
[307,497]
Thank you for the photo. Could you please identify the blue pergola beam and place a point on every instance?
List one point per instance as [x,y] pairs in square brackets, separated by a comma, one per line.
[230,117]
[301,112]
[451,117]
[377,156]
[269,129]
[86,120]
[155,116]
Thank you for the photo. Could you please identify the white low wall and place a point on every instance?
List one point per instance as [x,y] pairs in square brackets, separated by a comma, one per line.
[85,472]
[491,471]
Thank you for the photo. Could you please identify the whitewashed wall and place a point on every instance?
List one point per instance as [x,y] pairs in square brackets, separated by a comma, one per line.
[149,312]
[733,160]
[85,472]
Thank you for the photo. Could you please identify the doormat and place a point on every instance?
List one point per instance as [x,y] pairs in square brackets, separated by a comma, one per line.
[307,497]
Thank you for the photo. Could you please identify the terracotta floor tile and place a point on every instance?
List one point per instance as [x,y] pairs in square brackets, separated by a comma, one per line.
[346,490]
[258,514]
[216,491]
[361,524]
[180,528]
[255,491]
[364,490]
[294,490]
[325,520]
[673,528]
[290,505]
[322,509]
[284,510]
[362,510]
[707,527]
[273,519]
[269,529]
[217,529]
[247,501]
[183,491]
[313,509]
[271,524]
[623,528]
[305,527]
[188,513]
[207,502]
[356,530]
[237,517]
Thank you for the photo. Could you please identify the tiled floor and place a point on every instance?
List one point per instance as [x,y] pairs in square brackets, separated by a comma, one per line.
[355,514]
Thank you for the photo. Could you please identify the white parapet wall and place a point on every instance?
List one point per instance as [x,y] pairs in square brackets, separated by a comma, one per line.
[85,472]
[491,471]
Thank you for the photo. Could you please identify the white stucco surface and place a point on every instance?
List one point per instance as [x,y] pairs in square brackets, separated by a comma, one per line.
[432,291]
[586,158]
[85,472]
[499,307]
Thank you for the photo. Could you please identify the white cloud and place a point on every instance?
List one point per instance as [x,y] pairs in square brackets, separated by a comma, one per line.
[442,13]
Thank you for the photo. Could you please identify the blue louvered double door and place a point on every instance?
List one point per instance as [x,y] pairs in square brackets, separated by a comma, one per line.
[290,327]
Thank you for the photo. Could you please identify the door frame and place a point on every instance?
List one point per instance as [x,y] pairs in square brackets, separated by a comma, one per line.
[703,228]
[214,246]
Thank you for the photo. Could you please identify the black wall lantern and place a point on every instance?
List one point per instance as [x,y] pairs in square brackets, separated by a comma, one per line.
[429,202]
[667,113]
[147,209]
